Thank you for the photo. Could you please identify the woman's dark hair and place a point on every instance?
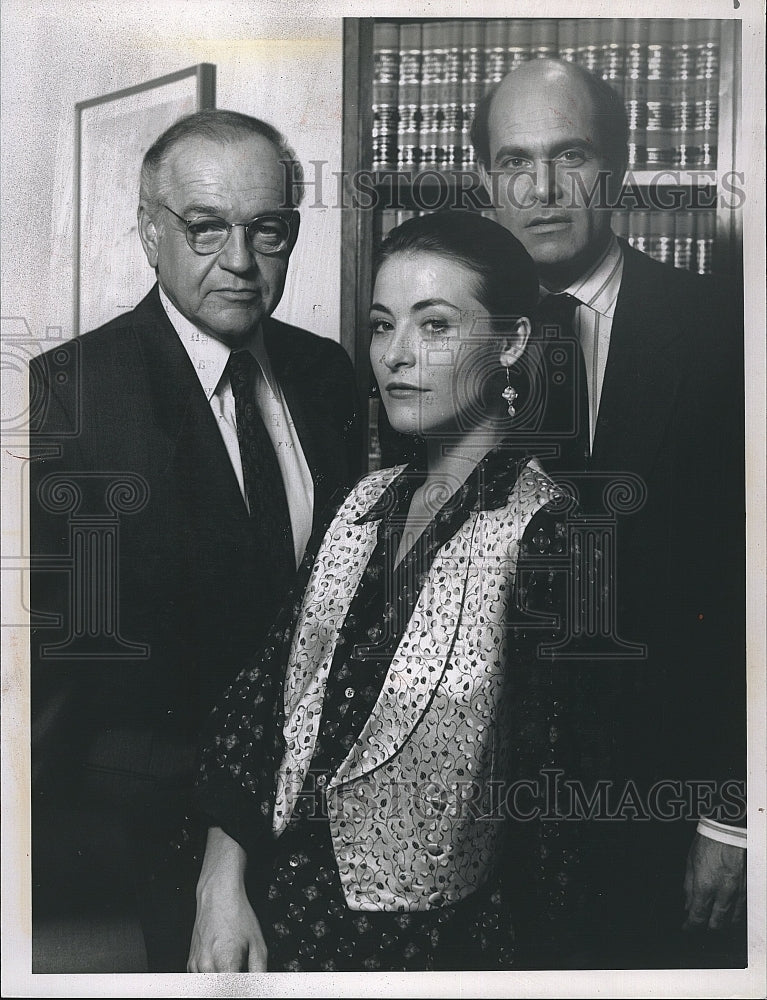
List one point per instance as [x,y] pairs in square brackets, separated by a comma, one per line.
[507,283]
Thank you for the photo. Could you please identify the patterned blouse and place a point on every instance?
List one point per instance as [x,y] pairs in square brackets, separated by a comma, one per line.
[293,881]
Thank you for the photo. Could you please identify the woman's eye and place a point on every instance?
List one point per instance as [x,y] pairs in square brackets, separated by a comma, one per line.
[380,326]
[436,327]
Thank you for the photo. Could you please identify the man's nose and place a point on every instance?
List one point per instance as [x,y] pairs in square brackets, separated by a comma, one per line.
[400,351]
[236,254]
[546,186]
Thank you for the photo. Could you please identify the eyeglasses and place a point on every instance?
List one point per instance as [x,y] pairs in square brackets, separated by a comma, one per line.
[266,234]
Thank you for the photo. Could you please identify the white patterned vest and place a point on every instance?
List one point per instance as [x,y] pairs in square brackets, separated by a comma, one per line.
[406,805]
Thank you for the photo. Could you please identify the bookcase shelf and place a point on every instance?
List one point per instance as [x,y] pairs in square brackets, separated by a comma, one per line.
[673,177]
[410,87]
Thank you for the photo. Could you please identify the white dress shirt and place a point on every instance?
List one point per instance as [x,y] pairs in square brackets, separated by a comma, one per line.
[209,358]
[597,293]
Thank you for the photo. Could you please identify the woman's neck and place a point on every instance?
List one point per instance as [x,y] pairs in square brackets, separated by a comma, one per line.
[449,463]
[451,460]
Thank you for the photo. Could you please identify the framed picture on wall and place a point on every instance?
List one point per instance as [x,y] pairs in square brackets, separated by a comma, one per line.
[112,133]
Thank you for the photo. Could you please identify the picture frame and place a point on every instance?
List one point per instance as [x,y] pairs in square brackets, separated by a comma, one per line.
[110,270]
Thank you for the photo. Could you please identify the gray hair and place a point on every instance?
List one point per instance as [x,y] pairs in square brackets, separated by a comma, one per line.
[224,127]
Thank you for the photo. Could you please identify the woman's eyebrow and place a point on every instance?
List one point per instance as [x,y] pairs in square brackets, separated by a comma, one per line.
[428,303]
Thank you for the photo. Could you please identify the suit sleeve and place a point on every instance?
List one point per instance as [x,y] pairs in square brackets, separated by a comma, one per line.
[57,686]
[242,743]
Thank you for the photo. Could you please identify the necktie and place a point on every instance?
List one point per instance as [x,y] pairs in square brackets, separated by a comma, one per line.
[264,488]
[567,405]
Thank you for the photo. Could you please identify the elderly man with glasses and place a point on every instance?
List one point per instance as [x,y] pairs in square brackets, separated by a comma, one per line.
[232,430]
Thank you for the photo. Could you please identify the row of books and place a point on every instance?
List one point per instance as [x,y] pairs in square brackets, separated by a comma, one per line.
[428,77]
[683,238]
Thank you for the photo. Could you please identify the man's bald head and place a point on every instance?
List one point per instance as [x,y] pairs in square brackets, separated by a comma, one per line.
[547,76]
[551,143]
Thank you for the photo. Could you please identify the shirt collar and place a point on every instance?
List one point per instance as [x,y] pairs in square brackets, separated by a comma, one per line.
[598,288]
[487,487]
[209,356]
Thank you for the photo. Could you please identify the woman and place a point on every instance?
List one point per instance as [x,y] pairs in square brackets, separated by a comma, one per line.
[351,769]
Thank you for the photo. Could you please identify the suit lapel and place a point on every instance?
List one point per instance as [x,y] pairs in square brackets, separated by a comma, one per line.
[196,450]
[644,368]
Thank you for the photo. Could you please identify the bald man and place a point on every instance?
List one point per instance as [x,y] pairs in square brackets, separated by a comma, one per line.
[663,364]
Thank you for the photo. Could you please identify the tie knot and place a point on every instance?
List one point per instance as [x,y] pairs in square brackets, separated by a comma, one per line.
[558,309]
[241,368]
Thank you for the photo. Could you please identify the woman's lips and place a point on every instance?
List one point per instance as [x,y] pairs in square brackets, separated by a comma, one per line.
[402,390]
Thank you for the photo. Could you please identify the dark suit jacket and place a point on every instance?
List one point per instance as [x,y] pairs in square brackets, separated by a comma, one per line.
[671,415]
[193,589]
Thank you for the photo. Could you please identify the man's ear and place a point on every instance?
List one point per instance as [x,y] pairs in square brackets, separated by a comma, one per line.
[515,342]
[147,231]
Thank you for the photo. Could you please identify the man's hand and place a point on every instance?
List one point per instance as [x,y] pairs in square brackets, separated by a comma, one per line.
[227,936]
[714,884]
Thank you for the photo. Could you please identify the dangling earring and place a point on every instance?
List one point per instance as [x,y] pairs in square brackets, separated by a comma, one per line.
[510,394]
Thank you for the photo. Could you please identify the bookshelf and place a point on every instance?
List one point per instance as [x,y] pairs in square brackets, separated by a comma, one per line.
[410,89]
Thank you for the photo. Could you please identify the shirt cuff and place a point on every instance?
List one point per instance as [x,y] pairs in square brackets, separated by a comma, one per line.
[733,835]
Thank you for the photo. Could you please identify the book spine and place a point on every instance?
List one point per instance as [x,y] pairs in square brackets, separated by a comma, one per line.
[495,51]
[707,92]
[661,236]
[705,230]
[408,111]
[683,93]
[635,93]
[450,145]
[517,40]
[621,223]
[385,95]
[472,82]
[567,39]
[588,45]
[543,38]
[659,111]
[432,72]
[684,240]
[613,52]
[639,228]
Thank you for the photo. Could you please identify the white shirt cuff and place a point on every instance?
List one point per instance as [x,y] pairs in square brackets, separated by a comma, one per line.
[734,835]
